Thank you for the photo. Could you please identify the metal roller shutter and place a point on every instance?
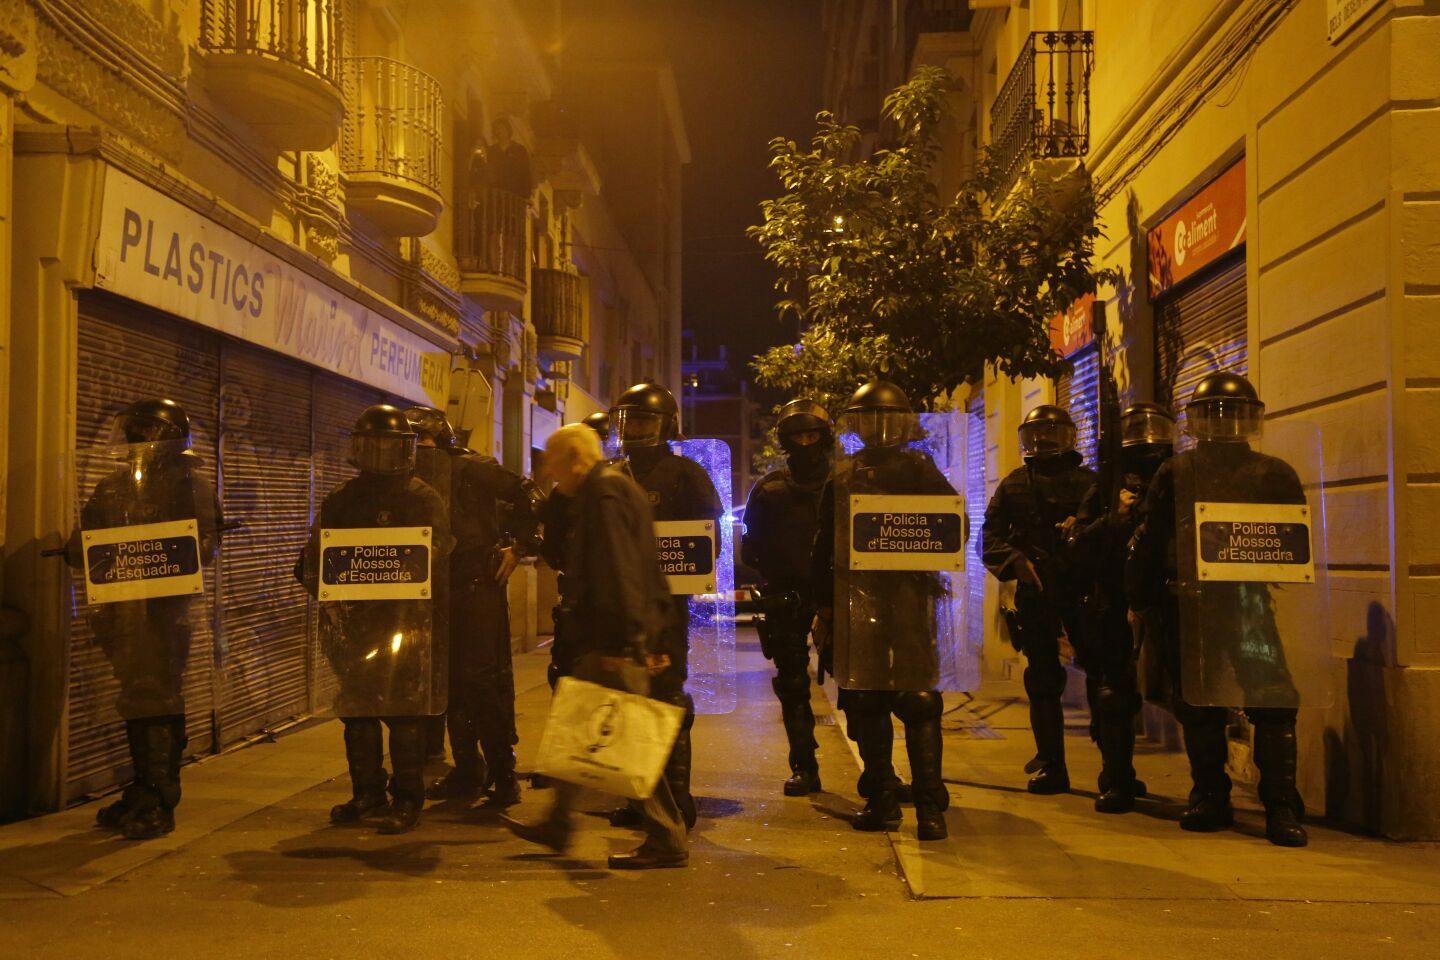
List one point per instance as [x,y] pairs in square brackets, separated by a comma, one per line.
[975,496]
[265,462]
[1200,330]
[125,353]
[1079,392]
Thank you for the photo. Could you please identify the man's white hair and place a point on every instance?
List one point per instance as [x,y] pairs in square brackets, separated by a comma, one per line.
[577,441]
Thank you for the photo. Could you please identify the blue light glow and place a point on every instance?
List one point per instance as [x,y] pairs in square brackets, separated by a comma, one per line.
[712,617]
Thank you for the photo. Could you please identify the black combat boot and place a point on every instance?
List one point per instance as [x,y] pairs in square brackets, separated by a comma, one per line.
[157,779]
[799,720]
[365,754]
[1047,722]
[875,739]
[1116,739]
[677,774]
[921,712]
[113,815]
[1206,746]
[499,750]
[467,777]
[1276,760]
[407,783]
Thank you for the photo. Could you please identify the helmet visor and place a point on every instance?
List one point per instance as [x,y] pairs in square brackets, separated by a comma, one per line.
[1225,420]
[1045,438]
[429,424]
[390,456]
[1146,427]
[638,428]
[138,428]
[880,428]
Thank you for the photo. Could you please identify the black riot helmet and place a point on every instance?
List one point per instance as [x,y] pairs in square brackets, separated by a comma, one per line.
[1224,408]
[383,442]
[1046,431]
[800,417]
[157,420]
[599,421]
[879,414]
[1146,424]
[646,415]
[430,423]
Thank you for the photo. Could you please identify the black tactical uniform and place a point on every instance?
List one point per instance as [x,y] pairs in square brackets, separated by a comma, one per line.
[1024,521]
[646,419]
[491,507]
[394,687]
[1101,539]
[900,605]
[147,642]
[1223,407]
[781,518]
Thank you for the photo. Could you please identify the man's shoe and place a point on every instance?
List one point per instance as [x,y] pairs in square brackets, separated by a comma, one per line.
[1049,781]
[628,817]
[1283,829]
[452,786]
[648,856]
[904,793]
[402,818]
[1208,814]
[880,813]
[112,816]
[505,793]
[552,833]
[1117,799]
[802,783]
[149,824]
[930,822]
[358,808]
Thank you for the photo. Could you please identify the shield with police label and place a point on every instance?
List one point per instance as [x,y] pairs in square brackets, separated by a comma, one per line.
[143,552]
[376,564]
[698,559]
[900,533]
[1254,605]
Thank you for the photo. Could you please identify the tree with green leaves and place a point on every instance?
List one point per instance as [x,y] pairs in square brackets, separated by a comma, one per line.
[888,278]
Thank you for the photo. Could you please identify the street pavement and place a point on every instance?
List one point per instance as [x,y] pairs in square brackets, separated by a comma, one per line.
[255,870]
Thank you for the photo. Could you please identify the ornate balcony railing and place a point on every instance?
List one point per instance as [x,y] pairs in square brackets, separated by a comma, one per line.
[557,308]
[394,121]
[1043,110]
[306,34]
[491,239]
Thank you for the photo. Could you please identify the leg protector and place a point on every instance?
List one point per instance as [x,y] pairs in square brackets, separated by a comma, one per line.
[677,769]
[920,711]
[407,758]
[793,692]
[365,754]
[867,714]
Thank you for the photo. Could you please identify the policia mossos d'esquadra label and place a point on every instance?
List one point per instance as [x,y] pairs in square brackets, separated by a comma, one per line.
[686,550]
[915,532]
[1253,542]
[142,562]
[375,563]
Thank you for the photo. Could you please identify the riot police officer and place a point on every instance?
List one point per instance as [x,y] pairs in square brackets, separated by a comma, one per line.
[1231,621]
[387,655]
[781,517]
[645,419]
[1024,540]
[494,513]
[1103,527]
[147,641]
[884,622]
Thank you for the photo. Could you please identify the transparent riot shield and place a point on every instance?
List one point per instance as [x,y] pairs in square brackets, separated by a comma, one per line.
[711,595]
[900,532]
[1250,556]
[377,566]
[146,539]
[943,436]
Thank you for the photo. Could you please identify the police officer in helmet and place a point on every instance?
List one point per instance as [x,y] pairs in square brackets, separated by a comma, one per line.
[1024,541]
[1225,416]
[781,518]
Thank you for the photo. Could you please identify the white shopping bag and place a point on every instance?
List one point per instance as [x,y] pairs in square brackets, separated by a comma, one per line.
[607,739]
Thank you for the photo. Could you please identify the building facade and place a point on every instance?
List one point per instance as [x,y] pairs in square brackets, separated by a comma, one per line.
[1267,182]
[279,212]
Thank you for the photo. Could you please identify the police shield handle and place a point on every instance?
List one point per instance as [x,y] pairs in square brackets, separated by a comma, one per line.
[914,532]
[375,563]
[687,550]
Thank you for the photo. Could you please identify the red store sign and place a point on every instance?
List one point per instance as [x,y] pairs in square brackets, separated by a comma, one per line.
[1070,329]
[1204,229]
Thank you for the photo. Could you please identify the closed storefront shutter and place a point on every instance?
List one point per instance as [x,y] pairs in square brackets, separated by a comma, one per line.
[1078,392]
[975,508]
[1199,330]
[265,462]
[126,353]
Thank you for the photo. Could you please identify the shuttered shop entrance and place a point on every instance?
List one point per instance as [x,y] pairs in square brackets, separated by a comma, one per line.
[975,499]
[1079,392]
[1198,330]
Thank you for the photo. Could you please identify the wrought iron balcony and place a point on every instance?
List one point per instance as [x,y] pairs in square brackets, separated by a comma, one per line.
[557,308]
[1043,110]
[491,247]
[276,65]
[390,148]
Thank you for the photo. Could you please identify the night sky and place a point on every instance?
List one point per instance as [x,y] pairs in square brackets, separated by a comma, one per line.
[748,70]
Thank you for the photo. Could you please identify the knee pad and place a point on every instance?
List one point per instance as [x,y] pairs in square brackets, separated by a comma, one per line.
[1044,679]
[1271,716]
[867,703]
[919,706]
[1116,701]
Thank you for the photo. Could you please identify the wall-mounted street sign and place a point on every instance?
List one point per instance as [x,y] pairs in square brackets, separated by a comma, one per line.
[375,563]
[1254,542]
[1342,15]
[686,549]
[921,532]
[142,562]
